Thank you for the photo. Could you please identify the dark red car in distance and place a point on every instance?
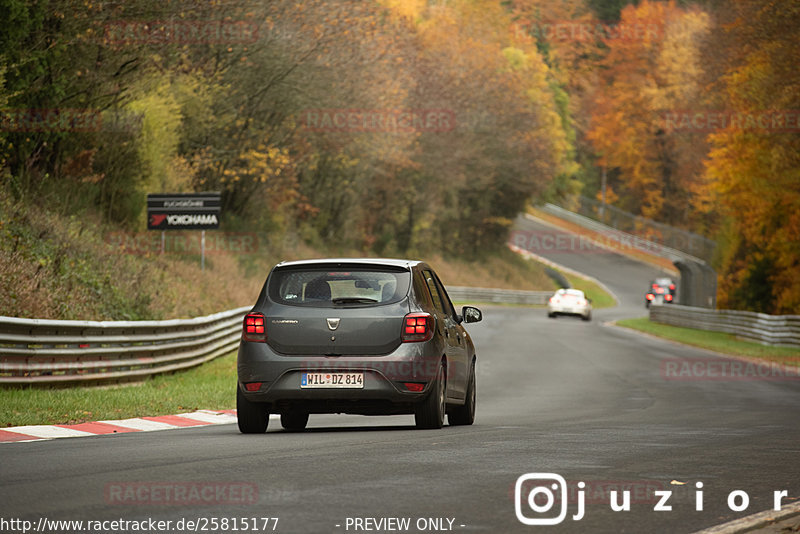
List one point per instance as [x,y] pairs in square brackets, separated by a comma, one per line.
[661,290]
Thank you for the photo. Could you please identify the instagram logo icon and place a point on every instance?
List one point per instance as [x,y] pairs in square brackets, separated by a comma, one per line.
[537,494]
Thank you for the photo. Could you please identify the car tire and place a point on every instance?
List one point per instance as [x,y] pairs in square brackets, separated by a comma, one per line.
[252,417]
[551,315]
[465,415]
[587,317]
[294,421]
[430,412]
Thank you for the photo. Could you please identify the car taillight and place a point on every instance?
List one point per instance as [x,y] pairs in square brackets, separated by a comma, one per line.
[668,297]
[649,296]
[417,327]
[659,290]
[416,387]
[672,287]
[255,328]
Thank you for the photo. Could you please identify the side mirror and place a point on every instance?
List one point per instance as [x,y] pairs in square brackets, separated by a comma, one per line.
[471,314]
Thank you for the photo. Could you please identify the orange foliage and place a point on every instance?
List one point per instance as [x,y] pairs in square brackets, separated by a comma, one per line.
[646,78]
[754,176]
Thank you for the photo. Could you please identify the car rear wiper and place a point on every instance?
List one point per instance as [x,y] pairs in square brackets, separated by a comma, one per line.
[353,300]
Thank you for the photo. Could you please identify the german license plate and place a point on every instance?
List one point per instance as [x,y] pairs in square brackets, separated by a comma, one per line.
[332,380]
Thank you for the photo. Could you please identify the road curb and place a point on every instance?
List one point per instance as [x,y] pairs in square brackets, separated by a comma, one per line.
[21,434]
[755,521]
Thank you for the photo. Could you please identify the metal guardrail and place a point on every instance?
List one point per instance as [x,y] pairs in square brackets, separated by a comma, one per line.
[44,351]
[619,239]
[777,330]
[37,351]
[675,238]
[499,296]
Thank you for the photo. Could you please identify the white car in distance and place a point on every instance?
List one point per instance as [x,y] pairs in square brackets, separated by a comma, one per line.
[570,302]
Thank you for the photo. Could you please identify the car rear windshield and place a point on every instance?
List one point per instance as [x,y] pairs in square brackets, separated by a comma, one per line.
[337,286]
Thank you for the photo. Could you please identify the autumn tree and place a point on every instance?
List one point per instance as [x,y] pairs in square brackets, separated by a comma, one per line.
[754,182]
[649,75]
[507,143]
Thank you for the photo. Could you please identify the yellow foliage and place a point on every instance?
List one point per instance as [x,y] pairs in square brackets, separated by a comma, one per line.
[409,9]
[645,79]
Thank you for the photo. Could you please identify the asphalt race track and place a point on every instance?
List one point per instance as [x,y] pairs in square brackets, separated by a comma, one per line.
[586,401]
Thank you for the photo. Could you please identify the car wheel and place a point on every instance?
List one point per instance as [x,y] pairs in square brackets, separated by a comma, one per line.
[430,412]
[551,315]
[587,317]
[465,415]
[294,421]
[252,417]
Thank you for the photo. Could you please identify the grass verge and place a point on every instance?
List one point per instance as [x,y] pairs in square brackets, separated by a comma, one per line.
[599,297]
[502,270]
[716,341]
[208,387]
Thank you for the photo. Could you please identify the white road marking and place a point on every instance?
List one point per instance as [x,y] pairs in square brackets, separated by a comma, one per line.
[47,431]
[207,416]
[141,424]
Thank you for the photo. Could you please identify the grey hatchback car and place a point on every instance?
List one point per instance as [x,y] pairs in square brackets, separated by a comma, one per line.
[355,336]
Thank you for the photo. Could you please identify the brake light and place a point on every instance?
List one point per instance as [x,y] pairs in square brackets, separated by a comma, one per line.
[659,290]
[417,327]
[649,296]
[668,297]
[672,287]
[255,328]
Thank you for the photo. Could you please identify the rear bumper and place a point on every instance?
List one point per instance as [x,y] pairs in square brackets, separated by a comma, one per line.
[559,310]
[384,377]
